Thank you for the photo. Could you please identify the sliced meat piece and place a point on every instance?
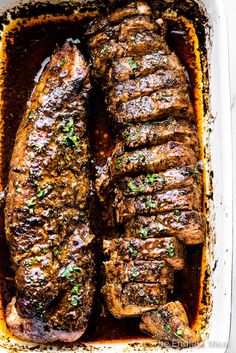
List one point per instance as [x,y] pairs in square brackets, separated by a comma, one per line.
[140,44]
[187,226]
[127,28]
[168,249]
[169,323]
[131,9]
[151,183]
[48,207]
[145,85]
[166,102]
[132,299]
[140,271]
[151,160]
[121,70]
[158,133]
[189,198]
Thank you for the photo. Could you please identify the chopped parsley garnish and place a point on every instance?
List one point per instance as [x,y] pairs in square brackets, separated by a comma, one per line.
[18,189]
[38,307]
[119,162]
[132,250]
[150,203]
[63,62]
[144,232]
[31,261]
[160,96]
[74,300]
[177,215]
[57,252]
[179,331]
[133,64]
[71,139]
[183,192]
[167,327]
[68,158]
[69,126]
[31,202]
[135,273]
[178,334]
[76,289]
[196,175]
[68,270]
[160,226]
[31,116]
[42,192]
[151,178]
[104,48]
[133,187]
[171,251]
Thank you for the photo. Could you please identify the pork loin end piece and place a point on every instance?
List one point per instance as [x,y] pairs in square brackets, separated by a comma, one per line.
[169,323]
[132,299]
[35,330]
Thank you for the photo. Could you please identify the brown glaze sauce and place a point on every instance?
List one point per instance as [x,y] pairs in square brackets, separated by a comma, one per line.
[27,46]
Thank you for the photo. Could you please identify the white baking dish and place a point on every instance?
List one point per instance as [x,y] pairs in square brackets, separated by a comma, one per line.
[219,240]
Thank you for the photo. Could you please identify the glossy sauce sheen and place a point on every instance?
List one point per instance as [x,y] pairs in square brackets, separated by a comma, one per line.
[27,46]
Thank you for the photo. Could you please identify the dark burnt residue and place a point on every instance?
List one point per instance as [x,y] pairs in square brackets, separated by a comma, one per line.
[32,44]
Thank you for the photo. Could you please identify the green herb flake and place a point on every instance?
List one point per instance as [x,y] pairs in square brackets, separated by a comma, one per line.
[57,252]
[132,250]
[183,192]
[133,187]
[160,226]
[31,202]
[38,307]
[171,251]
[104,49]
[152,178]
[41,192]
[69,126]
[143,232]
[63,62]
[196,175]
[167,327]
[133,64]
[135,273]
[76,289]
[31,116]
[31,261]
[179,332]
[18,189]
[74,301]
[68,158]
[68,270]
[177,214]
[150,203]
[120,161]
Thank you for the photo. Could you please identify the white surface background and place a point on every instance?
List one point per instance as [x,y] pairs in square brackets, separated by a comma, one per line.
[230,6]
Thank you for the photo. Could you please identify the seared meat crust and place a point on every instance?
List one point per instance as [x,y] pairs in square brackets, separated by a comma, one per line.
[47,207]
[168,249]
[169,323]
[152,178]
[187,226]
[189,198]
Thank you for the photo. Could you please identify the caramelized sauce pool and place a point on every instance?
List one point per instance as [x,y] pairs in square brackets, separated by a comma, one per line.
[26,47]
